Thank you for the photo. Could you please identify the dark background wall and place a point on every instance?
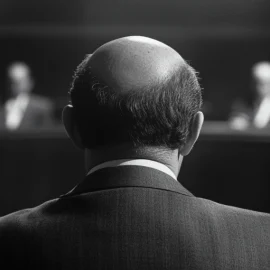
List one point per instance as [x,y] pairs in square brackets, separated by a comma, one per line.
[221,39]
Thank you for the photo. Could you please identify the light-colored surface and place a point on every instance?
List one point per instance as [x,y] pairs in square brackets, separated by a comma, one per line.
[134,162]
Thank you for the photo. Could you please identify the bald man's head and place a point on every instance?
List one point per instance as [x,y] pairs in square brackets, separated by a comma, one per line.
[134,63]
[135,89]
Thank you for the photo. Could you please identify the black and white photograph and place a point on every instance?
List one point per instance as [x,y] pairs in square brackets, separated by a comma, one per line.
[135,135]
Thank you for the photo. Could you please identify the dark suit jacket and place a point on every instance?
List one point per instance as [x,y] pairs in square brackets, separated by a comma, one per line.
[133,217]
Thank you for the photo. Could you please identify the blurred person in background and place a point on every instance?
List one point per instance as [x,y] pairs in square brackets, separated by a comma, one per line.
[258,113]
[135,112]
[23,109]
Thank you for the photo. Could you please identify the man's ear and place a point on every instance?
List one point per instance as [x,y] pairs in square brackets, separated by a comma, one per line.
[70,126]
[194,133]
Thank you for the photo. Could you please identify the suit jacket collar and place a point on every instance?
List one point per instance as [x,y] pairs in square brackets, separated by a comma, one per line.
[127,176]
[135,162]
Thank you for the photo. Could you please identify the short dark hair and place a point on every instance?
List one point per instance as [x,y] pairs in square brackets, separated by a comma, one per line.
[157,116]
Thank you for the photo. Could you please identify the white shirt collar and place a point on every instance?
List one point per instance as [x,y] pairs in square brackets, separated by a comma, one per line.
[135,162]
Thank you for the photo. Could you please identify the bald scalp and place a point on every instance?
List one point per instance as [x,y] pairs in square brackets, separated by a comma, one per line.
[134,90]
[133,63]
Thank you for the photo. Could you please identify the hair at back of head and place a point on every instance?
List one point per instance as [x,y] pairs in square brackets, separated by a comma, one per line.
[157,116]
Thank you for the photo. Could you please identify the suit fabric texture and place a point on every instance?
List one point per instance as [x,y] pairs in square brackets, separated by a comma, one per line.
[133,217]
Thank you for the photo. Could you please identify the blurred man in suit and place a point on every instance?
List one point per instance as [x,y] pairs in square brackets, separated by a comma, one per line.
[257,114]
[24,110]
[135,111]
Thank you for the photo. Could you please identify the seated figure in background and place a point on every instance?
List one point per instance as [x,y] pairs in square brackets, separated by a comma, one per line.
[257,115]
[24,110]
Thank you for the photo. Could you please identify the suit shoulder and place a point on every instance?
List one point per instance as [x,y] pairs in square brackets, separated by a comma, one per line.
[13,228]
[13,219]
[21,220]
[229,214]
